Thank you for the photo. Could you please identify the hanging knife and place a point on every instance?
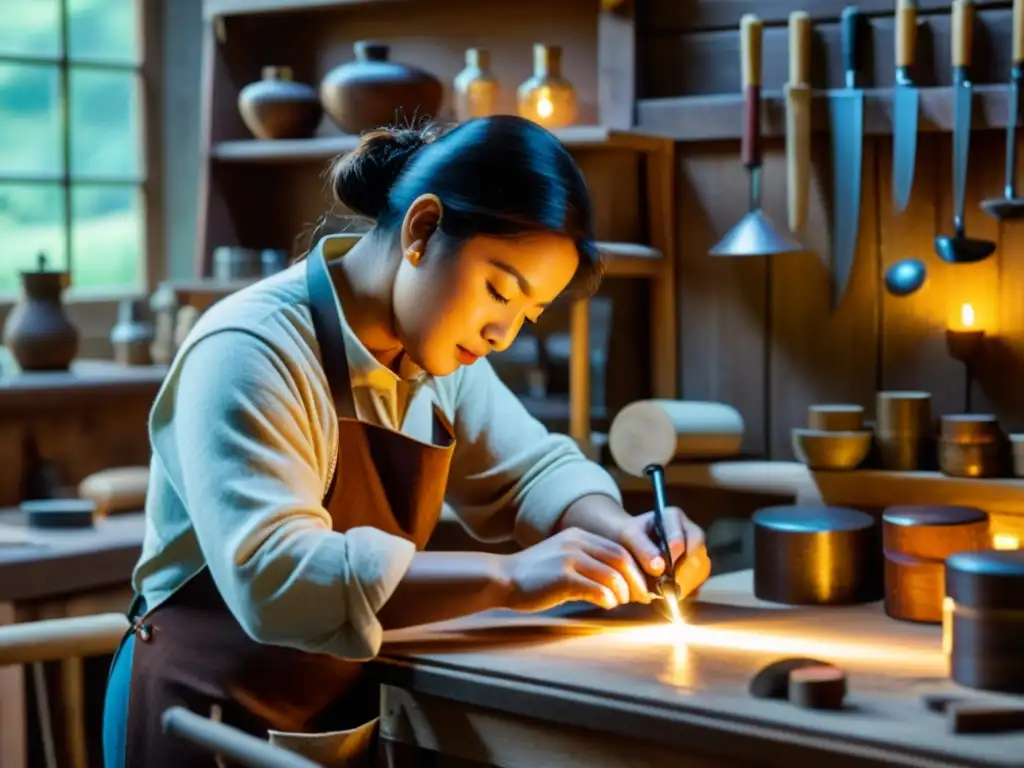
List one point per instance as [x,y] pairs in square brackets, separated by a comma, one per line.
[798,118]
[846,110]
[905,105]
[962,29]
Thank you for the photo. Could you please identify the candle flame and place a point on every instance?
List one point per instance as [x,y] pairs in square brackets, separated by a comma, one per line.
[544,107]
[1005,541]
[967,315]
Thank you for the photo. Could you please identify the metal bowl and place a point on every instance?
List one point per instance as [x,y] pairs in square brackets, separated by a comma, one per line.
[820,450]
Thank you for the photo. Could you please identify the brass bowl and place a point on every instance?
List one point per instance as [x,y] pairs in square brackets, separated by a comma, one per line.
[820,450]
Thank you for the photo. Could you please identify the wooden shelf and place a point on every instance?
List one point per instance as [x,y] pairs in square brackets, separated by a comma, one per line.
[869,488]
[707,118]
[86,382]
[631,260]
[214,8]
[257,151]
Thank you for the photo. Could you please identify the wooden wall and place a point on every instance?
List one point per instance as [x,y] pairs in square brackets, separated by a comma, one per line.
[758,333]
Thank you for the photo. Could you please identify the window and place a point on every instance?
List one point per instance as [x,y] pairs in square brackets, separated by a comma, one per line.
[72,164]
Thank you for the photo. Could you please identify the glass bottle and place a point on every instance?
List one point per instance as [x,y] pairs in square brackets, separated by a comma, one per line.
[476,89]
[547,98]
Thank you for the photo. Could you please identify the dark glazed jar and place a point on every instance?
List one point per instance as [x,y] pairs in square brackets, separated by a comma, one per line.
[38,331]
[276,107]
[372,91]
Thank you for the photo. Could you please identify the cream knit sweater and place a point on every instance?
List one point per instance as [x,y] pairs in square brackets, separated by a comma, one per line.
[244,436]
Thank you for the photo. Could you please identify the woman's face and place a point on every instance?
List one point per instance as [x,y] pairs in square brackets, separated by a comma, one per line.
[452,308]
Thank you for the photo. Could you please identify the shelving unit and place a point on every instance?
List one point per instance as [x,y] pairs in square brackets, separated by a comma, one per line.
[707,118]
[263,194]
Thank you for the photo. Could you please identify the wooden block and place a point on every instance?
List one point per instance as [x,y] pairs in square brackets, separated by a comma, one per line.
[772,682]
[806,555]
[822,687]
[967,717]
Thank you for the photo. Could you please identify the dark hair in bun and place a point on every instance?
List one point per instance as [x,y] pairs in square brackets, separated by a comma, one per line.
[502,176]
[362,179]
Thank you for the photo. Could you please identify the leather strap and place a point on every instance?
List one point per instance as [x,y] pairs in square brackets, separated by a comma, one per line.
[323,305]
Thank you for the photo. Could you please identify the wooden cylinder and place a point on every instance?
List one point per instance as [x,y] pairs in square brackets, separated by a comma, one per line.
[902,413]
[970,445]
[659,432]
[983,620]
[916,540]
[816,556]
[836,417]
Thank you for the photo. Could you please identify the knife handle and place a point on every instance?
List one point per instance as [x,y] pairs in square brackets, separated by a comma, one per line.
[751,28]
[1018,32]
[850,31]
[962,24]
[906,33]
[800,48]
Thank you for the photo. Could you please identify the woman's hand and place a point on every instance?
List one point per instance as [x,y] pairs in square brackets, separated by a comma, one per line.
[574,565]
[639,536]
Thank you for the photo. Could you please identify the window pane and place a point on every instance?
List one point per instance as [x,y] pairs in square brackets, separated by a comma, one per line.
[103,30]
[105,135]
[30,27]
[30,120]
[106,236]
[31,221]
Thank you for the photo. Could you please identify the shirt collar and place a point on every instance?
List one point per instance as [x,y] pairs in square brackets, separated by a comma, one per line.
[365,369]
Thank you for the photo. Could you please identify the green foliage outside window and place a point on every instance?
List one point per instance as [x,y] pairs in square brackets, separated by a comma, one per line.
[71,142]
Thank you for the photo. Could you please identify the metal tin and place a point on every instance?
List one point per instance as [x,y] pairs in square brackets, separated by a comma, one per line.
[807,555]
[983,621]
[971,445]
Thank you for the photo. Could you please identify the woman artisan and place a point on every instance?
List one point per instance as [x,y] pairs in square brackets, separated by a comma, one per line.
[313,424]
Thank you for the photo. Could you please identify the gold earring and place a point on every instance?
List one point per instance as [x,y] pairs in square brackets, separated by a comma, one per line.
[414,256]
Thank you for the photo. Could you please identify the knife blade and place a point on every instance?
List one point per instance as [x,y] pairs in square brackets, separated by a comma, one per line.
[798,119]
[962,24]
[905,105]
[846,111]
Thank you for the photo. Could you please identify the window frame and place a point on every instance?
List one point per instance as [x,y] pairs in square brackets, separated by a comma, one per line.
[93,309]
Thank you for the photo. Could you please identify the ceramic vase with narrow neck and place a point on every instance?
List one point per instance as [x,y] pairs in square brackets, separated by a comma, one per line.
[38,332]
[276,107]
[475,88]
[547,98]
[373,91]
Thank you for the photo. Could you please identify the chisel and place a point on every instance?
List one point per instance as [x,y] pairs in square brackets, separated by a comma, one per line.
[905,105]
[798,118]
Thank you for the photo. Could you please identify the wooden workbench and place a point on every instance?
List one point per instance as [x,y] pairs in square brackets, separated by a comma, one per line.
[52,574]
[602,689]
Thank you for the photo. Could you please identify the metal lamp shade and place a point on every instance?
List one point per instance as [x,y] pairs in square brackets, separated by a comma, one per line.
[755,235]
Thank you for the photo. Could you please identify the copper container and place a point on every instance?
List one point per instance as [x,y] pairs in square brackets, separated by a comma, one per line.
[903,429]
[971,445]
[836,417]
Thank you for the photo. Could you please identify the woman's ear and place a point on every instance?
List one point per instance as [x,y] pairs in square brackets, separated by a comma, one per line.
[421,221]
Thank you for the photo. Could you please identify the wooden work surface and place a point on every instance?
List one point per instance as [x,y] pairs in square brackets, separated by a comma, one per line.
[645,680]
[38,564]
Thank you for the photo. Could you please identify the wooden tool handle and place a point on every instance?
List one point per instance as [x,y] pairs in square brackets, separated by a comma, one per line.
[55,639]
[850,26]
[962,32]
[799,48]
[1018,32]
[751,29]
[750,60]
[906,32]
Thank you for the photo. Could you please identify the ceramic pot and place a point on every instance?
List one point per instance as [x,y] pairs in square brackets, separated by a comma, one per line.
[372,91]
[131,336]
[276,107]
[38,332]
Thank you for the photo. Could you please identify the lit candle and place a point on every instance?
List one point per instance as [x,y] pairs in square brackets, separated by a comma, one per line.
[1005,541]
[967,316]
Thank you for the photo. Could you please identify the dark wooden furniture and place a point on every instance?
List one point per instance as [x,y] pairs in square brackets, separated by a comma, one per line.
[268,194]
[514,690]
[58,428]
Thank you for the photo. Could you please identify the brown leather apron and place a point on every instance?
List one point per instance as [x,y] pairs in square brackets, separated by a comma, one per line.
[190,651]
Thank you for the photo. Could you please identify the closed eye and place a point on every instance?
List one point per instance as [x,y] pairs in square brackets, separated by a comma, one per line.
[495,295]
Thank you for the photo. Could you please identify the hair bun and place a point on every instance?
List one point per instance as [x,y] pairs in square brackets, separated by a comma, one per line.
[362,178]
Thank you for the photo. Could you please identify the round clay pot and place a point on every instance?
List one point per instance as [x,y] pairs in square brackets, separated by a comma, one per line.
[38,332]
[372,92]
[276,107]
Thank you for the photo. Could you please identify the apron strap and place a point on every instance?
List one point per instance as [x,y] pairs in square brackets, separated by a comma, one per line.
[323,304]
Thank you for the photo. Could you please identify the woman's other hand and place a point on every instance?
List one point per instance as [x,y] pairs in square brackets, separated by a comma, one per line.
[685,537]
